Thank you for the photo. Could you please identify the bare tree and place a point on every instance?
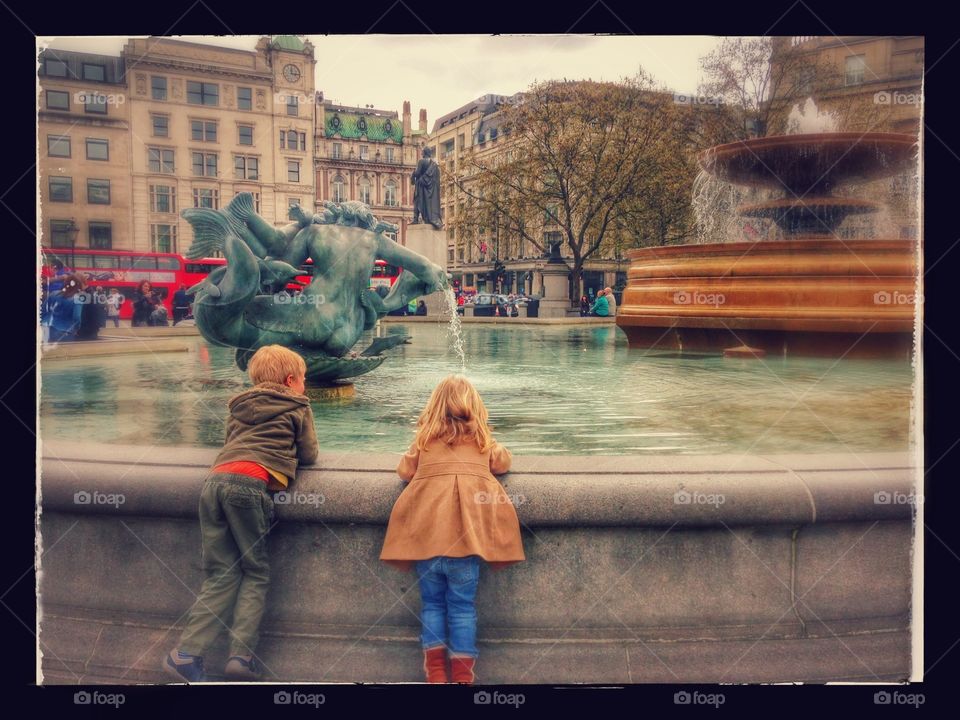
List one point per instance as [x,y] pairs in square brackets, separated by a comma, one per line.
[582,157]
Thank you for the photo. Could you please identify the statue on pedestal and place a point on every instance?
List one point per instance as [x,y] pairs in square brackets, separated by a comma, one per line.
[426,191]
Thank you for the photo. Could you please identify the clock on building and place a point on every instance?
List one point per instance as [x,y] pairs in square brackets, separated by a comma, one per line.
[291,73]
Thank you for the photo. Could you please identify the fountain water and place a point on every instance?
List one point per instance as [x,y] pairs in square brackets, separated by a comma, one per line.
[801,289]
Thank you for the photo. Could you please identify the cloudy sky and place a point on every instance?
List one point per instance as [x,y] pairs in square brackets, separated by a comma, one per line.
[442,72]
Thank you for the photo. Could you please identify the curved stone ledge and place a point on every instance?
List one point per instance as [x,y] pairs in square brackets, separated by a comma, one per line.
[547,491]
[799,575]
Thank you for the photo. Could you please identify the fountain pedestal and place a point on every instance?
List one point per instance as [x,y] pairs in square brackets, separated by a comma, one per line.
[423,238]
[556,299]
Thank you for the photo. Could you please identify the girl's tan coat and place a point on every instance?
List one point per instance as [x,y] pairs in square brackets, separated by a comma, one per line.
[453,506]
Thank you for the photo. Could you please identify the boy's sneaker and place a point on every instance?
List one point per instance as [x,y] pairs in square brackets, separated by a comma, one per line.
[184,667]
[243,668]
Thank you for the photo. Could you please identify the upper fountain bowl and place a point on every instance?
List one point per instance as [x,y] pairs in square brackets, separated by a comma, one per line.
[811,163]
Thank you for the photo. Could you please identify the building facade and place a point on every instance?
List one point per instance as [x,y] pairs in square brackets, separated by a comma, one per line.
[84,151]
[368,155]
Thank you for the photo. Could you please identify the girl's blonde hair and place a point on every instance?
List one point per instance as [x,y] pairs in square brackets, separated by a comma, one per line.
[273,363]
[453,414]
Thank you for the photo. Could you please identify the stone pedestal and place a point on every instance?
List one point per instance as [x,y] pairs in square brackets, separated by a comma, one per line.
[423,238]
[556,301]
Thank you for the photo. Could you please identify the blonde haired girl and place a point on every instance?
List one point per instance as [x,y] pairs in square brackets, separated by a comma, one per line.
[452,514]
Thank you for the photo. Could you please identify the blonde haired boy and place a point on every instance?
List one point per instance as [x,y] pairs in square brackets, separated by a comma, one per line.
[269,432]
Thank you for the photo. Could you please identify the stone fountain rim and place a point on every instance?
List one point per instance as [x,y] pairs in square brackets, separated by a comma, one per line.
[773,247]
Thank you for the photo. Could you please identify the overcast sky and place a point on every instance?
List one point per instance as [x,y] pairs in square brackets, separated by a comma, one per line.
[442,72]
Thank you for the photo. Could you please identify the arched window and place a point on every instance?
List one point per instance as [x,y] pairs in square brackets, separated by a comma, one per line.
[292,141]
[338,194]
[390,193]
[365,190]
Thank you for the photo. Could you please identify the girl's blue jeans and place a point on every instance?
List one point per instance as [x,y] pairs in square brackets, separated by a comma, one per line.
[448,588]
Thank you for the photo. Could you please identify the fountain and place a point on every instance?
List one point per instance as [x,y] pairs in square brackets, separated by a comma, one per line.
[811,293]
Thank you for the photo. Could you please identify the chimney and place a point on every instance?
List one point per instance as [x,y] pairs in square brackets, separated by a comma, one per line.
[423,120]
[406,118]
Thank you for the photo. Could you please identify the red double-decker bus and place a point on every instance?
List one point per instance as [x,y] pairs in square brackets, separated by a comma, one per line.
[125,270]
[383,274]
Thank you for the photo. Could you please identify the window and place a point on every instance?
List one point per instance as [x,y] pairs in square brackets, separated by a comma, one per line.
[364,152]
[161,125]
[337,151]
[97,73]
[293,171]
[245,98]
[461,139]
[98,192]
[162,199]
[205,164]
[54,68]
[61,233]
[855,66]
[292,202]
[493,133]
[206,198]
[246,168]
[101,235]
[246,134]
[160,160]
[163,238]
[158,87]
[201,93]
[98,149]
[61,189]
[293,107]
[94,103]
[389,154]
[390,193]
[203,130]
[58,146]
[58,100]
[365,190]
[338,195]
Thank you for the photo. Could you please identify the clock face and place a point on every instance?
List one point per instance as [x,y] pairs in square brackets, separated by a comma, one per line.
[291,73]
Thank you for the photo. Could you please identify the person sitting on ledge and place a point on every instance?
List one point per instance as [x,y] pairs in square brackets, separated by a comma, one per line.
[269,433]
[600,307]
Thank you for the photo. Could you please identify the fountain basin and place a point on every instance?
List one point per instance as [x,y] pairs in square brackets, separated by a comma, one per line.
[813,296]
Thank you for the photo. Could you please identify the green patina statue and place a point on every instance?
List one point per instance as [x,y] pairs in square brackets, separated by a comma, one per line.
[245,303]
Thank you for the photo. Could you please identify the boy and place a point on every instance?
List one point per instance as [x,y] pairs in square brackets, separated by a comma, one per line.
[269,431]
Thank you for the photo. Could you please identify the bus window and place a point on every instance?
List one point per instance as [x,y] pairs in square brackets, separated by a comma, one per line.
[168,263]
[106,261]
[82,261]
[142,262]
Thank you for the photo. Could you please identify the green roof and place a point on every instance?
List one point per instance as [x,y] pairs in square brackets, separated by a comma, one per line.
[288,42]
[350,125]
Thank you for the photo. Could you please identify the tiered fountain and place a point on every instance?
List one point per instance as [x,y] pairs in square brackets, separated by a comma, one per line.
[811,293]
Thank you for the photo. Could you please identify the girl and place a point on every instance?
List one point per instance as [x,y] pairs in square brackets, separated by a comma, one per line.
[452,514]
